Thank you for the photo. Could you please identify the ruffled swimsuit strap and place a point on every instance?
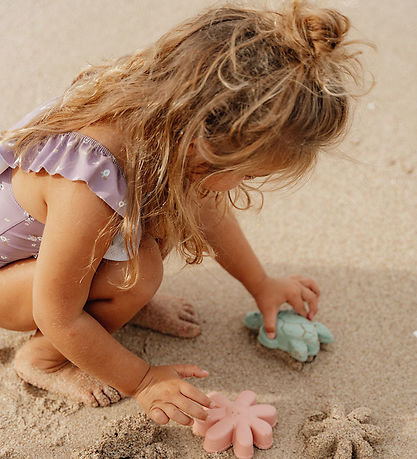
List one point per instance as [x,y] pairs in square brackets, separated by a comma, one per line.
[76,156]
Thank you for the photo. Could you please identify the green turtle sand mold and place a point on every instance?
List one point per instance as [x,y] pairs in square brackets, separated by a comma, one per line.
[296,335]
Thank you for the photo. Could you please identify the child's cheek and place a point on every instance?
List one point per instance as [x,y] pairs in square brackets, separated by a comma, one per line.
[223,182]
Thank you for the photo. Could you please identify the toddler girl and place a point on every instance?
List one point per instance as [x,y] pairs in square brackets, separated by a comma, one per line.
[148,153]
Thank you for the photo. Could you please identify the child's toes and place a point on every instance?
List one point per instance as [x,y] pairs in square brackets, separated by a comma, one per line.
[101,397]
[188,308]
[179,303]
[189,330]
[184,315]
[87,398]
[112,394]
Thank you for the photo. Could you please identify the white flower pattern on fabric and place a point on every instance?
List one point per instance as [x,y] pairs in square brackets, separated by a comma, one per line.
[4,239]
[122,203]
[34,238]
[105,174]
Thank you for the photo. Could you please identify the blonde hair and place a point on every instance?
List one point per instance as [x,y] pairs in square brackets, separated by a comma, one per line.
[252,89]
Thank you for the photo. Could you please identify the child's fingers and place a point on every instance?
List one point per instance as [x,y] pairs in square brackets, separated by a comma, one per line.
[270,323]
[298,304]
[174,413]
[157,415]
[197,396]
[190,408]
[312,300]
[188,371]
[307,282]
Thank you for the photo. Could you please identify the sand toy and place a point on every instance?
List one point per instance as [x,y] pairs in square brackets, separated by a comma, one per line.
[241,423]
[296,335]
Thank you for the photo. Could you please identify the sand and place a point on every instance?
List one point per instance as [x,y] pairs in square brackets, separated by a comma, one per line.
[352,227]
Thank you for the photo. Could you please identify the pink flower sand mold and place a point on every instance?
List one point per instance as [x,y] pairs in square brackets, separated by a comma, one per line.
[241,423]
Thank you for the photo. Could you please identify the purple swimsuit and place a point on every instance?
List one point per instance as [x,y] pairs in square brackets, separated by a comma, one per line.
[72,155]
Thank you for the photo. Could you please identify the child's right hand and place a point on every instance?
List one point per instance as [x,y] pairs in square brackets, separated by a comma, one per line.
[164,395]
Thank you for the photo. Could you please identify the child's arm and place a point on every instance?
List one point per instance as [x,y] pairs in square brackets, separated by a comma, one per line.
[62,281]
[235,255]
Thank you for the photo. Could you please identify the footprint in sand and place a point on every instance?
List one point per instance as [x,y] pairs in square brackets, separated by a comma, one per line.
[335,434]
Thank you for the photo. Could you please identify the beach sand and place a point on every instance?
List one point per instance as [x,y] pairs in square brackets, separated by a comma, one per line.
[352,227]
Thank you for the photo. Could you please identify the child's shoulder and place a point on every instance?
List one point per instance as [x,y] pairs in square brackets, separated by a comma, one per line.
[98,174]
[108,136]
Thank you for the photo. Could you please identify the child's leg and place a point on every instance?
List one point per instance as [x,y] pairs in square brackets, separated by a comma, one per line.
[164,313]
[168,313]
[38,362]
[111,306]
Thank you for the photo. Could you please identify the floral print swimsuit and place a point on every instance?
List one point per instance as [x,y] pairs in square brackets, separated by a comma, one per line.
[72,155]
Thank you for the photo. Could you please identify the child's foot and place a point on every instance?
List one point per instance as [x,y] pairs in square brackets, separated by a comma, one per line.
[168,314]
[67,380]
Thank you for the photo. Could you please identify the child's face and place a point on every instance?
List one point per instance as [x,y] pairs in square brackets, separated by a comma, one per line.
[222,181]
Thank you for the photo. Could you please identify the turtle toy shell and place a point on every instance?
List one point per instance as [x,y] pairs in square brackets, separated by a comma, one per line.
[296,335]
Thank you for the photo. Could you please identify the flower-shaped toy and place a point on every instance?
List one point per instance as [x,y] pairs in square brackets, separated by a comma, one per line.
[296,335]
[242,423]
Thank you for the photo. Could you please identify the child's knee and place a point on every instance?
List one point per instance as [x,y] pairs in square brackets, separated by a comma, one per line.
[149,278]
[111,275]
[150,268]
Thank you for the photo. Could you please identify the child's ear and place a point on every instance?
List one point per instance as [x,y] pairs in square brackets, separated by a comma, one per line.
[191,149]
[193,156]
[196,159]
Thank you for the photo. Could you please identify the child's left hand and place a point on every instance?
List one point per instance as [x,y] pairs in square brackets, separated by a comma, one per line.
[295,290]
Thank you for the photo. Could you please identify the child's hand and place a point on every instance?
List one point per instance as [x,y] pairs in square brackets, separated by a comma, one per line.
[295,290]
[164,395]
